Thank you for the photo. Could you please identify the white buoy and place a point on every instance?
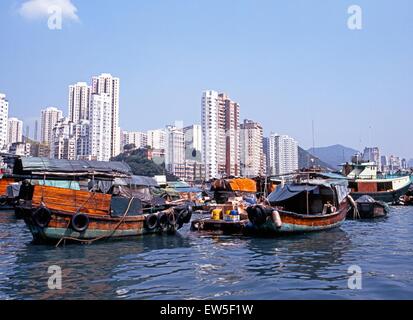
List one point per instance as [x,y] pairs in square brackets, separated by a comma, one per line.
[276,219]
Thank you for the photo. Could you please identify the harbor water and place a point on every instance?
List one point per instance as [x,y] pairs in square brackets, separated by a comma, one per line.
[190,265]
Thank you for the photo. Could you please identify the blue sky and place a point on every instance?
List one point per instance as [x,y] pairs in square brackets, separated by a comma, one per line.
[286,62]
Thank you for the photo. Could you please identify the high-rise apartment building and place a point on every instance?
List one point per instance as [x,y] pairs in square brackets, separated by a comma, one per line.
[139,139]
[15,131]
[49,117]
[220,135]
[4,116]
[157,139]
[252,155]
[63,144]
[100,115]
[110,86]
[175,151]
[79,101]
[193,143]
[283,152]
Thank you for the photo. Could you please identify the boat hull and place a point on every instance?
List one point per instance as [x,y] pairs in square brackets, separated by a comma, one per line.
[387,196]
[293,223]
[100,228]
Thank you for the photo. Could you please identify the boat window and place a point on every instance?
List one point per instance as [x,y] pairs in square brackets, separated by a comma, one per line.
[119,205]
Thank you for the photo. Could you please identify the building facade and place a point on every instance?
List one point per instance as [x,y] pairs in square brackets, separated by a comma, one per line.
[109,86]
[100,115]
[252,154]
[139,139]
[49,118]
[15,130]
[193,143]
[63,145]
[220,135]
[157,139]
[175,151]
[283,153]
[4,117]
[372,155]
[79,101]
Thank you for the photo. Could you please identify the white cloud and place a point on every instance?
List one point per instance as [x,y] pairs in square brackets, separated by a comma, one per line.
[34,9]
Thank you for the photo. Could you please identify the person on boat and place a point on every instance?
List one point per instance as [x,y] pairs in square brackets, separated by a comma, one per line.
[329,208]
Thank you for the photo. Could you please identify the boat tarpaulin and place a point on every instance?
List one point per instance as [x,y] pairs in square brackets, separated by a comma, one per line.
[288,192]
[137,181]
[245,185]
[45,165]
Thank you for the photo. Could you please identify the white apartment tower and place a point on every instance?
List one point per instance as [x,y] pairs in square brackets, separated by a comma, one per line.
[157,139]
[100,115]
[193,143]
[63,144]
[79,100]
[110,86]
[283,153]
[15,130]
[175,151]
[252,154]
[220,135]
[49,117]
[139,139]
[4,116]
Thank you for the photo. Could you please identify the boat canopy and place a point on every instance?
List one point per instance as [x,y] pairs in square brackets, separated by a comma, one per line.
[41,166]
[289,191]
[137,181]
[246,185]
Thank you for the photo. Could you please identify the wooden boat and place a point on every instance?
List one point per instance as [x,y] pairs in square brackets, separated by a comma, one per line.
[308,205]
[6,201]
[368,208]
[364,180]
[103,201]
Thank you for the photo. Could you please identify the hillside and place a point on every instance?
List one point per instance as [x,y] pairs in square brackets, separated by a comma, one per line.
[334,155]
[141,166]
[304,160]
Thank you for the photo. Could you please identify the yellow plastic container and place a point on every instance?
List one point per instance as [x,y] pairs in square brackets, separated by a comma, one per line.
[216,214]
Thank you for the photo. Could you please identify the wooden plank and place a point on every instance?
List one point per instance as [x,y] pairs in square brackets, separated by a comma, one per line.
[72,200]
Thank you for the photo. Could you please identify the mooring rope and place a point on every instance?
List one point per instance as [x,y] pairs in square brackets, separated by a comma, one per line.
[356,213]
[100,237]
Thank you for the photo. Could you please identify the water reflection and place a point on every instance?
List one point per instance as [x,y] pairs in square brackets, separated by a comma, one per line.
[192,265]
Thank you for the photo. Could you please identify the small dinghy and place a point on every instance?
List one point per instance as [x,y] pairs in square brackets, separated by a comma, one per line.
[368,208]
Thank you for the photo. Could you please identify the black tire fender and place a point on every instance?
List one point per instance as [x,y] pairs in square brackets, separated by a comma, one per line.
[41,217]
[80,222]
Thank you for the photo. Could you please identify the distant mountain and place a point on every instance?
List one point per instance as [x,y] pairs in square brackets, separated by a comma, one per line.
[334,155]
[304,160]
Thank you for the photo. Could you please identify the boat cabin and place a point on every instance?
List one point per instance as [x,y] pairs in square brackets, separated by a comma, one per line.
[315,196]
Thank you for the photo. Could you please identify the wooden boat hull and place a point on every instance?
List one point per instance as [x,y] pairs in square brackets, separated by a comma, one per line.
[386,196]
[100,228]
[293,223]
[220,226]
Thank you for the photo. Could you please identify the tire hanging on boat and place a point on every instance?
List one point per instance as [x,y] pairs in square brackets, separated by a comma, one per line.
[257,215]
[151,221]
[80,222]
[41,217]
[163,221]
